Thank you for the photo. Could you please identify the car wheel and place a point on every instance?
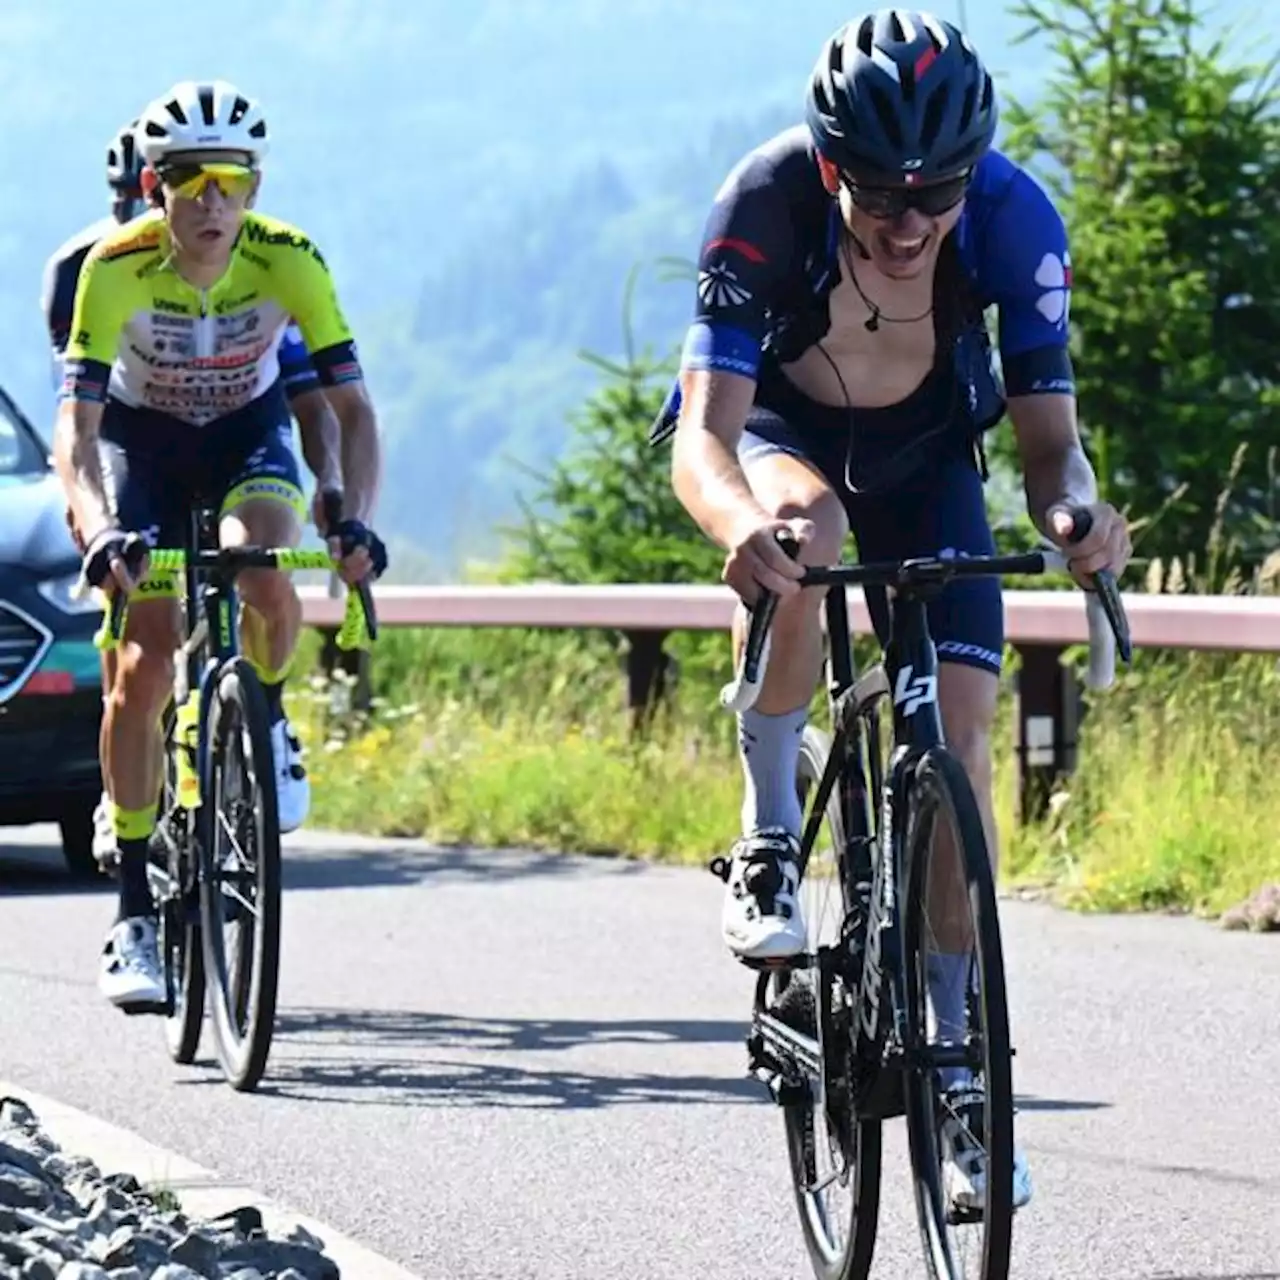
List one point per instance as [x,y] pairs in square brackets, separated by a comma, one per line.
[76,827]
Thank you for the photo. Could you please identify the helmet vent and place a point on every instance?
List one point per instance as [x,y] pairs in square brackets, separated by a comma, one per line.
[206,104]
[896,26]
[174,108]
[258,130]
[966,109]
[934,111]
[866,32]
[238,108]
[885,114]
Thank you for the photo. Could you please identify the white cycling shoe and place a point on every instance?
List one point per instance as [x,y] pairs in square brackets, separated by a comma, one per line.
[964,1161]
[130,975]
[293,787]
[761,917]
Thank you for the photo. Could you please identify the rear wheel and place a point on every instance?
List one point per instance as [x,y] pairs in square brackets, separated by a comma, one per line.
[957,1026]
[835,1158]
[240,887]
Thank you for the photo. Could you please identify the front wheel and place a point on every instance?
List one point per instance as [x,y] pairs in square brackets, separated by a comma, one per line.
[958,1086]
[834,1156]
[240,881]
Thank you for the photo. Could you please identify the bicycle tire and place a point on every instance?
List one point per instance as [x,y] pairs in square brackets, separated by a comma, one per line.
[831,1261]
[181,944]
[244,1019]
[940,784]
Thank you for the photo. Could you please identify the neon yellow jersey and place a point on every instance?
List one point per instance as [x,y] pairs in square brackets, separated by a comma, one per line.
[143,335]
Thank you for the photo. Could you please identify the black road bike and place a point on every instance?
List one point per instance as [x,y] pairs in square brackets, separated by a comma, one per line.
[843,1035]
[215,868]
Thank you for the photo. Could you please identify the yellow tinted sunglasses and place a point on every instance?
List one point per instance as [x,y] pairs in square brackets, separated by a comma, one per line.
[190,180]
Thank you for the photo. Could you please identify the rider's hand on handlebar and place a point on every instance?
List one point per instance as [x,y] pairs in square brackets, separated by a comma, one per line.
[115,561]
[1105,546]
[758,561]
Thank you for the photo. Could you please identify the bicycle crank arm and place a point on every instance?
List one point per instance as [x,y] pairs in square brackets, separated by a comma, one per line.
[787,1046]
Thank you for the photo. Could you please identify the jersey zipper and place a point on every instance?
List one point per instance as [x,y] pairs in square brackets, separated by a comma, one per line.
[204,342]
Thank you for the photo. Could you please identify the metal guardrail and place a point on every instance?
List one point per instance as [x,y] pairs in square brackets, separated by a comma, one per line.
[1056,618]
[1039,624]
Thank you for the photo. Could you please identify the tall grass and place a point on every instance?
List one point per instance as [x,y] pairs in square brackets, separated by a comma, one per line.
[518,740]
[521,738]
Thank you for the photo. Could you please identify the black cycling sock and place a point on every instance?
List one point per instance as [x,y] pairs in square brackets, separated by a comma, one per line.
[275,700]
[135,892]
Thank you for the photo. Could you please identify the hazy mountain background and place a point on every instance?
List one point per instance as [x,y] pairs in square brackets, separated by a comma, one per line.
[481,174]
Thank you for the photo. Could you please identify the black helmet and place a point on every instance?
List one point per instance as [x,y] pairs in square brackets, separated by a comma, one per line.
[124,161]
[901,94]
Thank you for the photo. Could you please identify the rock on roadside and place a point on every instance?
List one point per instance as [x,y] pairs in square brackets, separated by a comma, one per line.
[62,1219]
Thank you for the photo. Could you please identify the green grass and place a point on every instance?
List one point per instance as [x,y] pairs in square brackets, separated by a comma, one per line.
[521,739]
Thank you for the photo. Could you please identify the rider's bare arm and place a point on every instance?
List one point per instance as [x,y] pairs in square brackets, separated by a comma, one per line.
[1056,471]
[361,448]
[75,454]
[705,471]
[321,436]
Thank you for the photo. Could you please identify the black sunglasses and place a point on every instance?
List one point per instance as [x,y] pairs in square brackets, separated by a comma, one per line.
[892,202]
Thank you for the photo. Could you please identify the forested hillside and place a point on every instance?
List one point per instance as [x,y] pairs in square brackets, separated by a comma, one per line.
[481,176]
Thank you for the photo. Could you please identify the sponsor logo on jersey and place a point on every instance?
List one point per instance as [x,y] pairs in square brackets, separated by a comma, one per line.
[173,324]
[1053,275]
[177,308]
[718,286]
[256,233]
[223,308]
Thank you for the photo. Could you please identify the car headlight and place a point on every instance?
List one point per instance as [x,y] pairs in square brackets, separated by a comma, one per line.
[57,591]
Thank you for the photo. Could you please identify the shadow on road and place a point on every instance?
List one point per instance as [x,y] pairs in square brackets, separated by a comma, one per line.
[398,1058]
[407,862]
[1029,1102]
[36,870]
[407,1027]
[30,867]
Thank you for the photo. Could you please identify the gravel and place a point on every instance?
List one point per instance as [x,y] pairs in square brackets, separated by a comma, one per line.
[61,1218]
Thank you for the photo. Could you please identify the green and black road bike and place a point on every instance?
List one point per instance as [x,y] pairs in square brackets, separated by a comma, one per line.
[215,868]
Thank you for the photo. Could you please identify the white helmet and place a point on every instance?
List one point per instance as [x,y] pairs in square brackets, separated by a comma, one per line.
[202,115]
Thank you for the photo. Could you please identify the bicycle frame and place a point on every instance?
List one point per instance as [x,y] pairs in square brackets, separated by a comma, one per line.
[909,674]
[868,956]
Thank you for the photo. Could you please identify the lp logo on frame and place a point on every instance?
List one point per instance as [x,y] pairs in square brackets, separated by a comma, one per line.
[912,694]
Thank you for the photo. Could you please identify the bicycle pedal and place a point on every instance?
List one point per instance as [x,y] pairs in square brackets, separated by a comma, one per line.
[137,1008]
[777,964]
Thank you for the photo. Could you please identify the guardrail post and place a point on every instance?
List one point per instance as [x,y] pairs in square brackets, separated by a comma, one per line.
[1046,717]
[648,668]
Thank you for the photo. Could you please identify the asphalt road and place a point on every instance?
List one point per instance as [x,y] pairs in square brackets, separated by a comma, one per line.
[531,1066]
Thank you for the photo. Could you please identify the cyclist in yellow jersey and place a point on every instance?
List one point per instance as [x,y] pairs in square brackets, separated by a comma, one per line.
[172,395]
[317,425]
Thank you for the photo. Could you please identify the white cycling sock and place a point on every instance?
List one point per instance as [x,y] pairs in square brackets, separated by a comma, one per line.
[949,976]
[770,750]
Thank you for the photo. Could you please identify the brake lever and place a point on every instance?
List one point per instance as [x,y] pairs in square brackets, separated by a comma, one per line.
[1107,589]
[740,694]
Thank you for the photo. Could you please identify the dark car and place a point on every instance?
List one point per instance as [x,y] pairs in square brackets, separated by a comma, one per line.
[50,687]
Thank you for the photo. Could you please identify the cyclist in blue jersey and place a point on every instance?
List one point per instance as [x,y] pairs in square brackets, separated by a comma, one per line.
[838,377]
[317,423]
